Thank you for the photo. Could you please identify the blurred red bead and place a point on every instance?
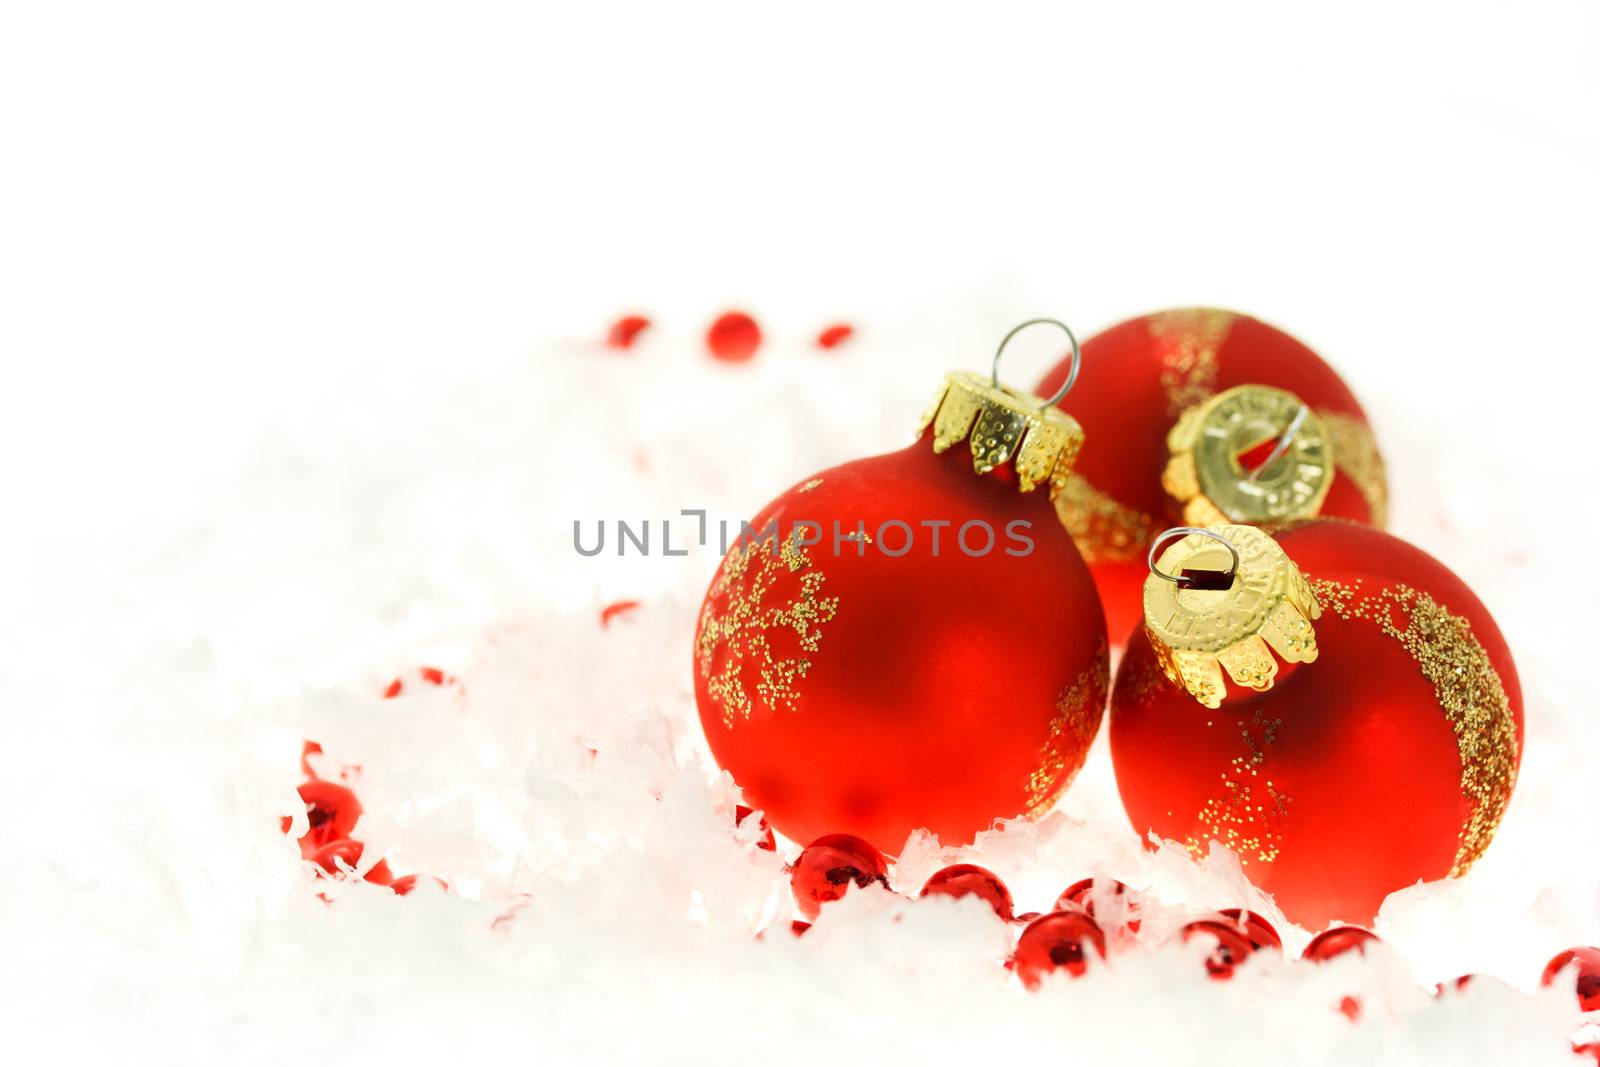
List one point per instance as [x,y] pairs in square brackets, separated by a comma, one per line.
[834,335]
[611,611]
[1256,930]
[829,866]
[1231,948]
[1351,1008]
[798,927]
[1583,965]
[407,882]
[1592,1050]
[1061,940]
[331,811]
[625,329]
[1456,984]
[734,337]
[339,858]
[431,675]
[1080,896]
[964,879]
[1336,941]
[741,812]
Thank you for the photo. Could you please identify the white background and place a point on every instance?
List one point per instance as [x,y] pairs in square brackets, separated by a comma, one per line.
[311,239]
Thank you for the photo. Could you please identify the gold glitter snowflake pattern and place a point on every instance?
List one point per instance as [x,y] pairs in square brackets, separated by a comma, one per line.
[1469,692]
[742,630]
[1079,709]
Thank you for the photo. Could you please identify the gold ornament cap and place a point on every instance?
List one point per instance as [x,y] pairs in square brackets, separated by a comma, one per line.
[1004,424]
[1218,600]
[1207,474]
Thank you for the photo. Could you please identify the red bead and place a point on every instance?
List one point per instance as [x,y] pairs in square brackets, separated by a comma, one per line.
[829,866]
[798,927]
[1351,1007]
[964,879]
[1336,942]
[1584,963]
[1592,1050]
[406,883]
[339,858]
[1256,930]
[734,337]
[834,335]
[331,811]
[741,812]
[1231,947]
[1062,940]
[611,611]
[625,329]
[430,675]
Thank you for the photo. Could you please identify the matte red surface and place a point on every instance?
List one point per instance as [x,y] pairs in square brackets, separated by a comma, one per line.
[1125,412]
[1356,742]
[930,698]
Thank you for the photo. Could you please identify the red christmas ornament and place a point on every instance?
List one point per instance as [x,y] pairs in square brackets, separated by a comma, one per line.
[742,812]
[625,329]
[1143,376]
[1382,749]
[968,879]
[1255,929]
[1336,942]
[909,641]
[734,337]
[1231,947]
[834,335]
[829,866]
[1062,940]
[331,811]
[1584,967]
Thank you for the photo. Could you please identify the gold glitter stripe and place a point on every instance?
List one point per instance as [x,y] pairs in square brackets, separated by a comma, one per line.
[1355,454]
[1189,339]
[1468,689]
[1079,709]
[1106,530]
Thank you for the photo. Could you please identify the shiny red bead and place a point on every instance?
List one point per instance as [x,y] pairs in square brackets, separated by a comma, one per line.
[1062,940]
[734,337]
[1336,941]
[1584,963]
[741,812]
[967,879]
[625,329]
[829,866]
[1079,896]
[611,611]
[834,335]
[339,858]
[407,882]
[798,927]
[430,675]
[1231,948]
[1256,930]
[1351,1007]
[331,811]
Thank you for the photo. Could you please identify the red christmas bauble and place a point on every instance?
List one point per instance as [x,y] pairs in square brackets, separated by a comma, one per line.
[1336,942]
[968,879]
[1061,940]
[1388,758]
[918,645]
[1139,378]
[1255,929]
[829,866]
[331,813]
[1123,906]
